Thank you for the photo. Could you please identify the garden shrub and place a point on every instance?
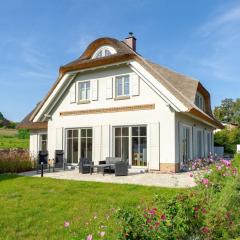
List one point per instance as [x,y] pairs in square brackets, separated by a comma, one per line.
[14,161]
[208,211]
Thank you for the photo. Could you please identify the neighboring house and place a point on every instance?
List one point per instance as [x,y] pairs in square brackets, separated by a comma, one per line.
[228,126]
[113,102]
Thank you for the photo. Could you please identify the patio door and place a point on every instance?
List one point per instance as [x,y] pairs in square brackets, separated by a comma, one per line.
[185,144]
[122,143]
[78,144]
[130,144]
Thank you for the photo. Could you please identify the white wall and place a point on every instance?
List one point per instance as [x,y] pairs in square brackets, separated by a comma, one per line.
[160,121]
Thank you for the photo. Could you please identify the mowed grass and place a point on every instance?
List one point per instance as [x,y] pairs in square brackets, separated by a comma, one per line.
[9,139]
[36,208]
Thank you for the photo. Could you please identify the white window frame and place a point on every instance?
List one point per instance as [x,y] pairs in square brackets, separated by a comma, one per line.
[41,141]
[85,92]
[103,51]
[130,141]
[79,142]
[200,101]
[123,79]
[190,128]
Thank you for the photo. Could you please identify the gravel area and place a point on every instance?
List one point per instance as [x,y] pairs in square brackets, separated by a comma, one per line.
[136,176]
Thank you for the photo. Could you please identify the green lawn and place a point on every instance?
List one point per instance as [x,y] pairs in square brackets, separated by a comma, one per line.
[35,208]
[9,139]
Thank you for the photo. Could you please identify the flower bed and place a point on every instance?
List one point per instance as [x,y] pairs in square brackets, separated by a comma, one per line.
[209,211]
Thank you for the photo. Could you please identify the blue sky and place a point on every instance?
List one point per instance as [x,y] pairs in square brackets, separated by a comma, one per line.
[198,38]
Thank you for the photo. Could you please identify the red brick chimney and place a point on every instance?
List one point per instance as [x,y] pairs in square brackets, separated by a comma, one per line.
[131,41]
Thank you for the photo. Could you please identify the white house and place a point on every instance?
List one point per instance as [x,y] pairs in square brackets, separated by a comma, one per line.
[113,102]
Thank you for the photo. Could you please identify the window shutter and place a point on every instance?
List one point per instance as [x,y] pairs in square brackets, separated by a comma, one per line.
[94,86]
[135,85]
[109,90]
[154,142]
[180,139]
[59,139]
[73,93]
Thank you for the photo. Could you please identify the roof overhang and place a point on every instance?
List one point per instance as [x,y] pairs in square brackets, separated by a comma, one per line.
[210,120]
[33,125]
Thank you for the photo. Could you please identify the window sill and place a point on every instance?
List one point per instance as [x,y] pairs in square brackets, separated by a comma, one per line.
[121,98]
[84,101]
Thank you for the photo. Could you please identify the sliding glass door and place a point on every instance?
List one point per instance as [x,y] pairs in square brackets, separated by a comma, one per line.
[122,143]
[79,144]
[130,144]
[139,146]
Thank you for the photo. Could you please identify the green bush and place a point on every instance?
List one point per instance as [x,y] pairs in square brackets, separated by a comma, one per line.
[228,139]
[208,211]
[15,161]
[23,134]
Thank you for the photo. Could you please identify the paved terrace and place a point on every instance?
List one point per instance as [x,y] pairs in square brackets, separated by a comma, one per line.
[177,180]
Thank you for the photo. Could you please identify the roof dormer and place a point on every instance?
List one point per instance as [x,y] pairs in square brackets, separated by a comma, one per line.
[104,51]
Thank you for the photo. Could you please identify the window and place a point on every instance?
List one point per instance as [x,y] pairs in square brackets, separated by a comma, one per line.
[72,146]
[186,144]
[199,101]
[84,90]
[122,86]
[122,143]
[104,51]
[79,144]
[199,143]
[43,142]
[130,144]
[209,143]
[139,146]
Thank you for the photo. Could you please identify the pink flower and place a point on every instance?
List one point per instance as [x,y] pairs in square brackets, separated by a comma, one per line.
[204,230]
[157,224]
[89,237]
[219,168]
[66,224]
[102,234]
[149,220]
[190,175]
[163,218]
[205,181]
[196,209]
[204,211]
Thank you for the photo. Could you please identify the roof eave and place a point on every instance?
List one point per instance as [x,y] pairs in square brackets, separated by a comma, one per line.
[205,117]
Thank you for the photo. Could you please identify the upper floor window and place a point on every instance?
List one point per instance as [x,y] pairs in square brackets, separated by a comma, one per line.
[199,101]
[84,91]
[122,86]
[104,51]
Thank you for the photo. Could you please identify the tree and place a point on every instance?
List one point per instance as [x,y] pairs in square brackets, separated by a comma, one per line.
[228,111]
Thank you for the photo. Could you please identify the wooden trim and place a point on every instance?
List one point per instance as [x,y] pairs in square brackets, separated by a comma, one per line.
[206,117]
[109,110]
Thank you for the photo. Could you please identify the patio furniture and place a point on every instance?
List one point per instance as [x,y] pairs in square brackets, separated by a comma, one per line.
[43,159]
[59,161]
[103,167]
[85,166]
[121,168]
[114,164]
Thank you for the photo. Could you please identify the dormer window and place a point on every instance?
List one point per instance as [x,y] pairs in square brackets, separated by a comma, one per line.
[104,51]
[199,101]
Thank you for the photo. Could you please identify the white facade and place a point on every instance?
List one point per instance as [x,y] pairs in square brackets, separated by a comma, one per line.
[165,124]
